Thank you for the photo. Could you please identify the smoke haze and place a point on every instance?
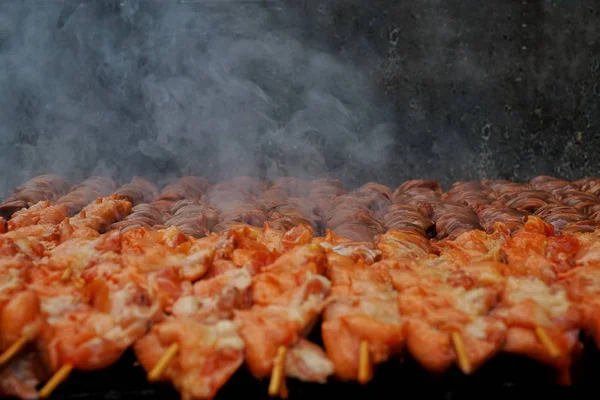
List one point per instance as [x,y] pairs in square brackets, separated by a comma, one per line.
[163,89]
[355,89]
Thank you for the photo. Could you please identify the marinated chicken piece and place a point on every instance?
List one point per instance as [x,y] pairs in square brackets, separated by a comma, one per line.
[472,245]
[216,298]
[36,240]
[191,259]
[349,320]
[356,279]
[101,213]
[246,247]
[297,236]
[308,362]
[209,355]
[433,313]
[93,337]
[290,271]
[365,251]
[71,258]
[20,315]
[583,288]
[266,328]
[533,251]
[528,303]
[41,213]
[589,250]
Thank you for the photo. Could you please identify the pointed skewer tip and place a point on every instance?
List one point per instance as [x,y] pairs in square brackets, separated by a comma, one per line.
[277,375]
[59,377]
[461,354]
[545,339]
[364,363]
[156,373]
[12,350]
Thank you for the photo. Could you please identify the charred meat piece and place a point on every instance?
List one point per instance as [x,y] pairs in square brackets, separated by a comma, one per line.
[40,188]
[585,203]
[500,187]
[188,187]
[351,218]
[193,218]
[498,213]
[142,215]
[452,219]
[421,184]
[559,216]
[295,212]
[406,217]
[86,192]
[417,196]
[473,194]
[528,200]
[552,185]
[138,191]
[589,185]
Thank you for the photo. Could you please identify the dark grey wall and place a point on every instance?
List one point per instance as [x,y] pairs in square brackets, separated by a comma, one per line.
[484,89]
[359,89]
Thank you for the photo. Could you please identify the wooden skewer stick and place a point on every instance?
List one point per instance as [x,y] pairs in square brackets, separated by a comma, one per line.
[277,376]
[156,373]
[461,354]
[543,337]
[58,378]
[364,363]
[13,349]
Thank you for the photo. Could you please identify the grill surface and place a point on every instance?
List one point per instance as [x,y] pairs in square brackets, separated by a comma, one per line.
[503,377]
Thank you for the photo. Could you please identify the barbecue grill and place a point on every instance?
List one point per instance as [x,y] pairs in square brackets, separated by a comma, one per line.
[452,90]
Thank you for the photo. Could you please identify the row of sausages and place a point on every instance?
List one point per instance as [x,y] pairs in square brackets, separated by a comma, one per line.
[421,207]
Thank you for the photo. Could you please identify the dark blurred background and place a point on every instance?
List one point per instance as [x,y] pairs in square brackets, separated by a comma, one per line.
[357,89]
[517,83]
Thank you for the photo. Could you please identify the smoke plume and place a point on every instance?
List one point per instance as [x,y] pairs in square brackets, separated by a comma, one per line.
[162,89]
